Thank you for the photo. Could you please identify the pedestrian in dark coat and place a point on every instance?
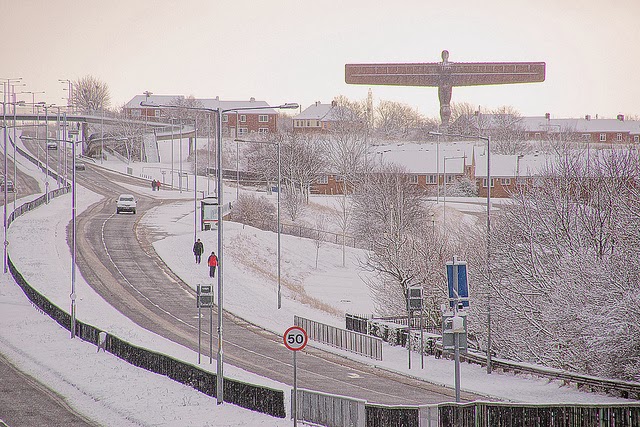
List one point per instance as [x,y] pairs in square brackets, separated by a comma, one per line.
[153,185]
[213,263]
[198,249]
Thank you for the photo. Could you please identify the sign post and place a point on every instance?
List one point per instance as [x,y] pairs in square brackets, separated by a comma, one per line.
[204,298]
[295,339]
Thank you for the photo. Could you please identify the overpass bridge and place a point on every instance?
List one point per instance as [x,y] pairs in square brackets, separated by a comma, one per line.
[155,130]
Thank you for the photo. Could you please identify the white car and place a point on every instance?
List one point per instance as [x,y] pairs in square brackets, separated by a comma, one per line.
[52,145]
[126,203]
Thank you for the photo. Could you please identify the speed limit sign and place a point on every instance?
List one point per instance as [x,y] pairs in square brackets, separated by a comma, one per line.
[295,338]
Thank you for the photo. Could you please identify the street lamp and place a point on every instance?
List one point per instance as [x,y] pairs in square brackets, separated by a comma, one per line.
[488,139]
[219,112]
[444,200]
[277,144]
[70,89]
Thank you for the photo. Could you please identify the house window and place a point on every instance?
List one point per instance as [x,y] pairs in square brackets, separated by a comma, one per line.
[263,130]
[586,136]
[431,179]
[505,181]
[308,123]
[156,113]
[603,137]
[537,135]
[619,137]
[322,179]
[636,138]
[413,179]
[225,118]
[136,113]
[243,131]
[484,182]
[243,118]
[449,178]
[263,118]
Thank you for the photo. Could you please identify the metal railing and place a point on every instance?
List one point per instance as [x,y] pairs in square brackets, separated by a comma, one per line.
[398,336]
[340,411]
[362,344]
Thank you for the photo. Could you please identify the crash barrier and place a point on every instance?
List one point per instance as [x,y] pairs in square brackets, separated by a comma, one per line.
[343,339]
[397,335]
[249,396]
[329,410]
[339,411]
[392,333]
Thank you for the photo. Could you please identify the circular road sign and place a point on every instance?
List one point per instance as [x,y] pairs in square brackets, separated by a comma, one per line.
[295,338]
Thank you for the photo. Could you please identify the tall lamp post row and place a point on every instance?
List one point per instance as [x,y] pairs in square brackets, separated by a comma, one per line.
[219,113]
[488,140]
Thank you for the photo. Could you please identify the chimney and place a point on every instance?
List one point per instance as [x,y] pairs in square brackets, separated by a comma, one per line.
[217,98]
[621,117]
[587,117]
[252,99]
[547,116]
[334,104]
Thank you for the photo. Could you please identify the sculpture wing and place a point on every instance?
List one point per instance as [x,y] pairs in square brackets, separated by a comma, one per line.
[450,73]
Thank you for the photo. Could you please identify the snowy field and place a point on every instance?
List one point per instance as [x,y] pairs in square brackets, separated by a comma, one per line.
[87,379]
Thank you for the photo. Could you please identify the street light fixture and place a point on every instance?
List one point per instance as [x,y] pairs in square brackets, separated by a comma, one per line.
[4,129]
[444,200]
[488,139]
[277,144]
[219,112]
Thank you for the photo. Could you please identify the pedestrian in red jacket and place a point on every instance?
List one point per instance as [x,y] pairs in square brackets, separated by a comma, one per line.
[213,263]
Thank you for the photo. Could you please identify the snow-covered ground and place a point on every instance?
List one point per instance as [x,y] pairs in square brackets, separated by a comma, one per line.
[87,379]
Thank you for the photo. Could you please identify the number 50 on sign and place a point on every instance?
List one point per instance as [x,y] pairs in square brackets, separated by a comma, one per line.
[295,338]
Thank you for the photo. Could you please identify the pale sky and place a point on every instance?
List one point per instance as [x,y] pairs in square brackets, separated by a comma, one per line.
[295,51]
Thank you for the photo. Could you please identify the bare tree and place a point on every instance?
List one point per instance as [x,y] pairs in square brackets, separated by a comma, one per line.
[390,216]
[396,120]
[318,234]
[90,95]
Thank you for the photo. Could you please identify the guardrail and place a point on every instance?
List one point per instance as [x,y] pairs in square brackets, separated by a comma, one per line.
[340,411]
[246,395]
[625,389]
[354,342]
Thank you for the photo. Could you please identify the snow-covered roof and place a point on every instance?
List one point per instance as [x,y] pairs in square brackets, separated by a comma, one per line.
[542,124]
[508,166]
[215,103]
[421,158]
[317,111]
[212,103]
[154,99]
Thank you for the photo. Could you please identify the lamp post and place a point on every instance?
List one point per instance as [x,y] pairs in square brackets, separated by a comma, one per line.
[277,144]
[488,140]
[70,89]
[444,199]
[219,112]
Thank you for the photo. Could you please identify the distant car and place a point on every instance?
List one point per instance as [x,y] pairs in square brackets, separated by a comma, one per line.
[80,166]
[126,203]
[52,145]
[10,187]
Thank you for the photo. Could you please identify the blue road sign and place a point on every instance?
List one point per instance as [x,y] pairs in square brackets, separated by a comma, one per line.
[458,273]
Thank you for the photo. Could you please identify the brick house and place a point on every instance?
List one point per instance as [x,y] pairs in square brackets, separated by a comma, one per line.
[260,120]
[317,117]
[588,130]
[419,159]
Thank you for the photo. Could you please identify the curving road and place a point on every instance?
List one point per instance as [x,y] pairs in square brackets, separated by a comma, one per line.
[116,258]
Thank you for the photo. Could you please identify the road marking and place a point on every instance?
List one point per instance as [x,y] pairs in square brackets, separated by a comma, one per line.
[353,375]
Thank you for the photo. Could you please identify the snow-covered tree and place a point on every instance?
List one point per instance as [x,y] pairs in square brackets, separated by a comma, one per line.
[89,95]
[564,272]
